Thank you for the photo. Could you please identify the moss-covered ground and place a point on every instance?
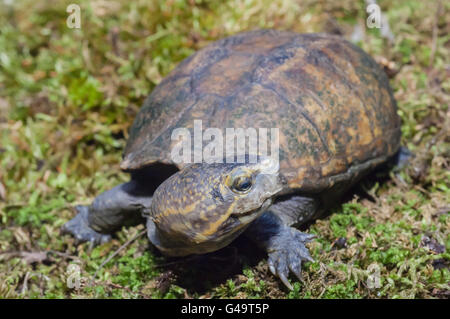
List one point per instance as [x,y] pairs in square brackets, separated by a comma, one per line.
[68,96]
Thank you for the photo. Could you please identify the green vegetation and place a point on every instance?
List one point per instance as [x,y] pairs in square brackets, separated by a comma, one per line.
[68,96]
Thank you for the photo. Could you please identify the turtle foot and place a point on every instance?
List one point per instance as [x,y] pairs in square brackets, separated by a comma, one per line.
[79,228]
[402,158]
[286,253]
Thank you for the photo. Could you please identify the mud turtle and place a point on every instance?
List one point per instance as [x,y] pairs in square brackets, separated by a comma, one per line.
[337,120]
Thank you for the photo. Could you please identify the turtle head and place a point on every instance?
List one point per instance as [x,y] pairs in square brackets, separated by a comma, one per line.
[203,207]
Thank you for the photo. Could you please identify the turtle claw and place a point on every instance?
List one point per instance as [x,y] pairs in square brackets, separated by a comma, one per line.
[286,253]
[79,228]
[283,278]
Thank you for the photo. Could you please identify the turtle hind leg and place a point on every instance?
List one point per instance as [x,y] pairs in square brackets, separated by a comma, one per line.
[401,158]
[395,164]
[121,206]
[400,161]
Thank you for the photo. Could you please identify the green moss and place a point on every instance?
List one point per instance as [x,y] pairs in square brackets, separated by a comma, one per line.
[84,92]
[67,98]
[34,213]
[346,290]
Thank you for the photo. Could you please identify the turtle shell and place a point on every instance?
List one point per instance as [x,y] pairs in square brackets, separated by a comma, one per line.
[330,100]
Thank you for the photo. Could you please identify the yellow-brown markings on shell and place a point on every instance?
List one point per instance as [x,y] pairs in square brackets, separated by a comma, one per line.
[315,98]
[305,161]
[343,64]
[320,119]
[203,58]
[302,107]
[365,135]
[344,101]
[298,176]
[385,111]
[351,131]
[308,177]
[225,75]
[305,103]
[332,145]
[333,167]
[201,110]
[148,125]
[376,131]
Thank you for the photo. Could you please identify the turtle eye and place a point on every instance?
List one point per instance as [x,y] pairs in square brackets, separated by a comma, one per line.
[242,184]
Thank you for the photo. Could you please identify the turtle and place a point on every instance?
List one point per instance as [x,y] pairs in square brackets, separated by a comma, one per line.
[337,121]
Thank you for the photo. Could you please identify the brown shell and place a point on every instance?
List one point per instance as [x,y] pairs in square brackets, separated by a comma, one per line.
[330,100]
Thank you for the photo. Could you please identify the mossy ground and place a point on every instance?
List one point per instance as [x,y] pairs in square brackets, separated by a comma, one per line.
[68,96]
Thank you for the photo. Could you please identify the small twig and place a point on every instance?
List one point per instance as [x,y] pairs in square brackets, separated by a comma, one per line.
[23,254]
[61,254]
[10,254]
[25,284]
[115,254]
[422,190]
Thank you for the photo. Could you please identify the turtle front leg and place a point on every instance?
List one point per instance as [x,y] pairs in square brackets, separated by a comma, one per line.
[285,245]
[80,229]
[121,206]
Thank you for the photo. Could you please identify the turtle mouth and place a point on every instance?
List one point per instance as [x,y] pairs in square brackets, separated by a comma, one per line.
[247,213]
[240,216]
[248,216]
[237,220]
